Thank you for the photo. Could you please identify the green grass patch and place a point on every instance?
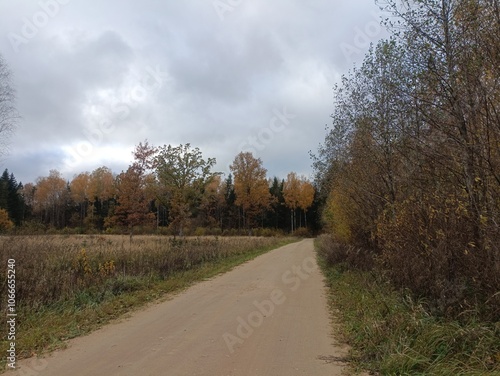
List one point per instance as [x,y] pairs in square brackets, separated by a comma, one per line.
[46,327]
[392,334]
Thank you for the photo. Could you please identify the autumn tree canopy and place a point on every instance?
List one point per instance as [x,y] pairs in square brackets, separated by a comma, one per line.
[168,188]
[50,198]
[5,222]
[182,174]
[132,207]
[298,192]
[411,163]
[251,186]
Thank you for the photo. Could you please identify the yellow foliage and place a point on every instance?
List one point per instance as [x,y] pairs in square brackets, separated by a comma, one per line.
[250,184]
[5,222]
[106,269]
[336,217]
[82,266]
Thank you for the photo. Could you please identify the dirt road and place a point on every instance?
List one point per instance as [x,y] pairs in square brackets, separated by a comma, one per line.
[266,317]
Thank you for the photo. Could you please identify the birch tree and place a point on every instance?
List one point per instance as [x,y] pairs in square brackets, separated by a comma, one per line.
[251,187]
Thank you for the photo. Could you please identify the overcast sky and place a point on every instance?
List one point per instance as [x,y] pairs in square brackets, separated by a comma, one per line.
[93,78]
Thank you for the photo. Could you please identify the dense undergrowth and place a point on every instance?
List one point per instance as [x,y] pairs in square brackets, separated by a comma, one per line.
[394,333]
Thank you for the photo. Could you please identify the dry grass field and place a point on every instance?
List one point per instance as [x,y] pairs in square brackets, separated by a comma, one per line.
[67,285]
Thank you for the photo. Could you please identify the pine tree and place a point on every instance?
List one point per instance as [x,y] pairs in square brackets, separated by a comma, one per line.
[10,197]
[4,192]
[16,202]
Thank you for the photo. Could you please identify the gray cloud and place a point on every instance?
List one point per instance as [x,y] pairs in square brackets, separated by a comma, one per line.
[107,75]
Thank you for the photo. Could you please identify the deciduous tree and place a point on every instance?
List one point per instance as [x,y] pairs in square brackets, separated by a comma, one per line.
[412,161]
[298,192]
[50,198]
[133,204]
[79,187]
[291,193]
[306,197]
[5,222]
[250,186]
[101,192]
[183,175]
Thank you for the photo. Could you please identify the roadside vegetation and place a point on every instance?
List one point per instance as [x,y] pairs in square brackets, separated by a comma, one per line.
[393,333]
[409,174]
[67,286]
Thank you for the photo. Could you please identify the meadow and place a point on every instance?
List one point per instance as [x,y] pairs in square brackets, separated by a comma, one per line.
[68,285]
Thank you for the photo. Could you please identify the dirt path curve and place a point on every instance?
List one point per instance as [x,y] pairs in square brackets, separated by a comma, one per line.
[266,317]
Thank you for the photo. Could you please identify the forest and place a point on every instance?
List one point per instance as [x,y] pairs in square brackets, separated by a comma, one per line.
[170,190]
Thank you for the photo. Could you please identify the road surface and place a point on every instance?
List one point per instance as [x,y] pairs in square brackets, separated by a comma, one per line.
[268,316]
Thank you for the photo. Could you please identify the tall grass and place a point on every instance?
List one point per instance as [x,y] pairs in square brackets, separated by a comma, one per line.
[51,268]
[69,285]
[392,334]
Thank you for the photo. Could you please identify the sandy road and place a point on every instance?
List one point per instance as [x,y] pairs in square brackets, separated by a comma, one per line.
[266,317]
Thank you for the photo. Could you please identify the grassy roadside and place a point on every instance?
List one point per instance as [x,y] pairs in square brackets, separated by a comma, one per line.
[391,334]
[49,326]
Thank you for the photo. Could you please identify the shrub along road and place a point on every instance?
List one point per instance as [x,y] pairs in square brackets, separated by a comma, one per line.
[266,317]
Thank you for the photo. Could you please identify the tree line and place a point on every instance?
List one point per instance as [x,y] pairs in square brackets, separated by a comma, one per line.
[168,188]
[410,168]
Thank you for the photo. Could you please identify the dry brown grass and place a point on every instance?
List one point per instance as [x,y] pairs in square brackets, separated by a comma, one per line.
[51,268]
[69,285]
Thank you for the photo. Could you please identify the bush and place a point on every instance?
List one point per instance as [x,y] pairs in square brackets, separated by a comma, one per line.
[70,231]
[234,232]
[267,232]
[215,231]
[343,255]
[429,247]
[200,231]
[302,232]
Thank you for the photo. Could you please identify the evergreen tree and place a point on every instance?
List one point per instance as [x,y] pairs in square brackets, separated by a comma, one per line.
[10,197]
[230,211]
[4,192]
[277,216]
